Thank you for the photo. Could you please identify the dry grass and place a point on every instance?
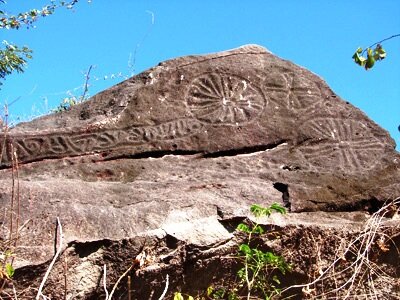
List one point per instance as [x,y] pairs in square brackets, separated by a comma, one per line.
[353,274]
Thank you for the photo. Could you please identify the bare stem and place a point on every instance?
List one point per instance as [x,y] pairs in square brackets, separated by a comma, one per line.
[165,289]
[384,40]
[118,281]
[39,294]
[105,281]
[86,86]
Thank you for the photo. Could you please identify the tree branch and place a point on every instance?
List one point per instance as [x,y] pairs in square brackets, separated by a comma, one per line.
[384,40]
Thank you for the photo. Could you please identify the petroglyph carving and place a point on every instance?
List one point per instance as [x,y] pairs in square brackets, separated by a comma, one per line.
[166,131]
[348,142]
[224,99]
[31,148]
[28,146]
[293,91]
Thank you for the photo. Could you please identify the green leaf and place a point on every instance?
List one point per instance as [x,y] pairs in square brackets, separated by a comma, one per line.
[241,274]
[8,253]
[380,53]
[243,227]
[245,249]
[370,59]
[276,279]
[232,296]
[219,294]
[258,229]
[278,208]
[258,210]
[210,290]
[178,296]
[360,60]
[9,270]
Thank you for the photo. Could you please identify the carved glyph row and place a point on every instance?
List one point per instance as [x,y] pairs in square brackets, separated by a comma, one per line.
[29,148]
[223,99]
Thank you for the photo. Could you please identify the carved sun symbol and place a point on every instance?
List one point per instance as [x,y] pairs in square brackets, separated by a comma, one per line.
[345,143]
[224,99]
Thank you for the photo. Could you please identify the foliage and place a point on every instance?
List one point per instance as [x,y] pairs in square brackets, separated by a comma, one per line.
[6,268]
[259,211]
[259,272]
[68,102]
[373,53]
[27,18]
[221,293]
[12,57]
[259,269]
[179,296]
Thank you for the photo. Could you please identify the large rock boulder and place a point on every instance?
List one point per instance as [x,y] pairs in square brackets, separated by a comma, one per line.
[171,159]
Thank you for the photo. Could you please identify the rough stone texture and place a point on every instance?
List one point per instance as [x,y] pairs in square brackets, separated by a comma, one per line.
[173,157]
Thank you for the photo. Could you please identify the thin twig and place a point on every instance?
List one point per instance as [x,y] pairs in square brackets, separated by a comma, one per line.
[65,278]
[86,85]
[131,65]
[129,288]
[165,289]
[12,193]
[5,135]
[18,196]
[15,292]
[362,266]
[105,281]
[384,40]
[118,281]
[52,262]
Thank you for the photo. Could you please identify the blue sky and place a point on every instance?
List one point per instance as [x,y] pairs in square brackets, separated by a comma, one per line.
[316,34]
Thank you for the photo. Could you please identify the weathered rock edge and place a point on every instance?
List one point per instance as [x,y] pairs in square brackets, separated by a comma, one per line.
[309,241]
[168,155]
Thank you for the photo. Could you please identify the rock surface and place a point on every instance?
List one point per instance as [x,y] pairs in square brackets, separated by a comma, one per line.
[171,158]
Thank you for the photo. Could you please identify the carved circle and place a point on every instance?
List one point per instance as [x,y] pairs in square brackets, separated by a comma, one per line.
[346,144]
[224,99]
[292,90]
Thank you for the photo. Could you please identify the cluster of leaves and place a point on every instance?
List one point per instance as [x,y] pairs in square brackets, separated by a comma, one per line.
[6,268]
[27,18]
[67,103]
[13,58]
[258,274]
[180,296]
[373,55]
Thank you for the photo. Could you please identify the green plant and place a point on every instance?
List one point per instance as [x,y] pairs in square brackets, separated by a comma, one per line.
[13,58]
[29,17]
[259,272]
[180,296]
[378,53]
[68,102]
[221,293]
[374,53]
[6,268]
